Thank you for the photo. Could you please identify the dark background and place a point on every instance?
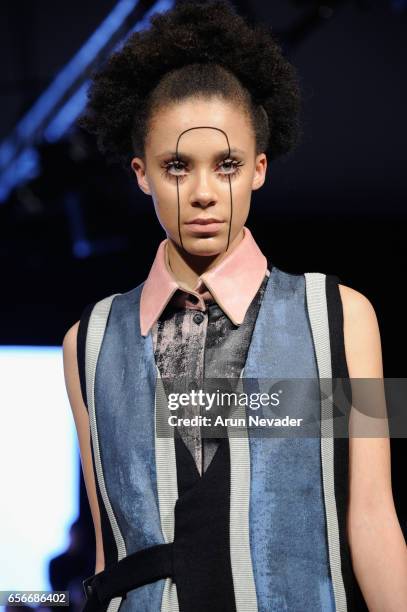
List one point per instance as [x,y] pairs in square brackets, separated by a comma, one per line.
[336,205]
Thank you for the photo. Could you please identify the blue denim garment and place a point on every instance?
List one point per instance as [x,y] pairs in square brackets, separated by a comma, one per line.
[287,523]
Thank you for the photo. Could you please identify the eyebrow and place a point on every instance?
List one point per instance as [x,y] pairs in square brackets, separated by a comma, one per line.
[219,155]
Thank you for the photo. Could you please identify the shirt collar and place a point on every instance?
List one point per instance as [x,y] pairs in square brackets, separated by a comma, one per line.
[233,283]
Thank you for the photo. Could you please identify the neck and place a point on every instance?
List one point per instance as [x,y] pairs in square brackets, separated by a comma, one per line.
[187,268]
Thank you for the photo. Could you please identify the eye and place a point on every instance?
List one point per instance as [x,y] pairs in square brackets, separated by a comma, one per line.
[233,167]
[172,168]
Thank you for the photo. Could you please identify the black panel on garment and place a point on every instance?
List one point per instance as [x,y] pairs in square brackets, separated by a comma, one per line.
[202,563]
[109,542]
[81,346]
[356,602]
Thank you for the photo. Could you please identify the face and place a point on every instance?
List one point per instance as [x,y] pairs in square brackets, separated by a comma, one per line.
[191,175]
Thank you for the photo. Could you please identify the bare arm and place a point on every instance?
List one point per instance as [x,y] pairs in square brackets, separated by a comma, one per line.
[378,548]
[80,415]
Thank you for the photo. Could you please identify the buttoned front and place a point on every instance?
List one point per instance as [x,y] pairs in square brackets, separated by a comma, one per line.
[191,345]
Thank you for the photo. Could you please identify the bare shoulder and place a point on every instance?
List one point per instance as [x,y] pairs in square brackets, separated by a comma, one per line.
[71,372]
[369,468]
[69,342]
[355,304]
[361,335]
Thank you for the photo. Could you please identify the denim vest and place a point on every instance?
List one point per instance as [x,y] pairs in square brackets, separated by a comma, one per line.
[268,534]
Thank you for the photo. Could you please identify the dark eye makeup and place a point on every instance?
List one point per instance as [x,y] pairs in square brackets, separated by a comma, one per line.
[178,165]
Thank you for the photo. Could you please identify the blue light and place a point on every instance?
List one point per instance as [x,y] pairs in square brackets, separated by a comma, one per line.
[66,115]
[82,249]
[28,126]
[75,105]
[24,168]
[31,127]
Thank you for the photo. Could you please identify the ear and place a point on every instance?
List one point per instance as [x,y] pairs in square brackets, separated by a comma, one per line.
[139,168]
[260,169]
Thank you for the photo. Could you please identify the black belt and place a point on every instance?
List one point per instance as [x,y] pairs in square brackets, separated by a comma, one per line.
[135,570]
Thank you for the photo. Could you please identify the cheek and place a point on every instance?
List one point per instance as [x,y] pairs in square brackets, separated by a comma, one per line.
[241,195]
[165,204]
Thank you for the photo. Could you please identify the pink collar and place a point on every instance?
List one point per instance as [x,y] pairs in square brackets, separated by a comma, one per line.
[233,283]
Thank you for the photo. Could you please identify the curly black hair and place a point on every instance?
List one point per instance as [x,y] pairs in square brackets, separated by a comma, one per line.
[194,49]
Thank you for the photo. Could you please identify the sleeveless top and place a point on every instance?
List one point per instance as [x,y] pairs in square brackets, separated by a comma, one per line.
[264,528]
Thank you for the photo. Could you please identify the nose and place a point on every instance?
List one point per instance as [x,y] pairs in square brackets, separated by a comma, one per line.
[203,193]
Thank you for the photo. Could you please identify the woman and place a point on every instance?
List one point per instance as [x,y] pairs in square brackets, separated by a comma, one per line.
[195,106]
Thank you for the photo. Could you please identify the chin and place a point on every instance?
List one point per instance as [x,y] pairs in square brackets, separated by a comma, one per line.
[206,247]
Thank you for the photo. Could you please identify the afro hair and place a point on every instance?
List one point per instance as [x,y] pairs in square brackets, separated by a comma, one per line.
[194,49]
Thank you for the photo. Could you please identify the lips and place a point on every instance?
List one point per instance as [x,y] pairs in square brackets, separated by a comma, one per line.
[205,227]
[204,221]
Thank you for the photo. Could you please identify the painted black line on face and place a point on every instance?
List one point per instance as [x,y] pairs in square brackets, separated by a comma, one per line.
[230,184]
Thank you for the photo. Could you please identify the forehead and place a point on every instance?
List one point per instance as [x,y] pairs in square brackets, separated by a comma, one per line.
[210,119]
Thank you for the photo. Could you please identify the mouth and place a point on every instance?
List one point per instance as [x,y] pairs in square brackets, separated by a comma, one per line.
[204,221]
[205,226]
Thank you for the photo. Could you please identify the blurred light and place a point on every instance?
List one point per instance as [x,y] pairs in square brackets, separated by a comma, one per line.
[68,114]
[29,129]
[40,465]
[24,168]
[45,104]
[82,249]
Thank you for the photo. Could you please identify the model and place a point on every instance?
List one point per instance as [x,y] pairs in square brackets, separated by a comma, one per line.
[196,106]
